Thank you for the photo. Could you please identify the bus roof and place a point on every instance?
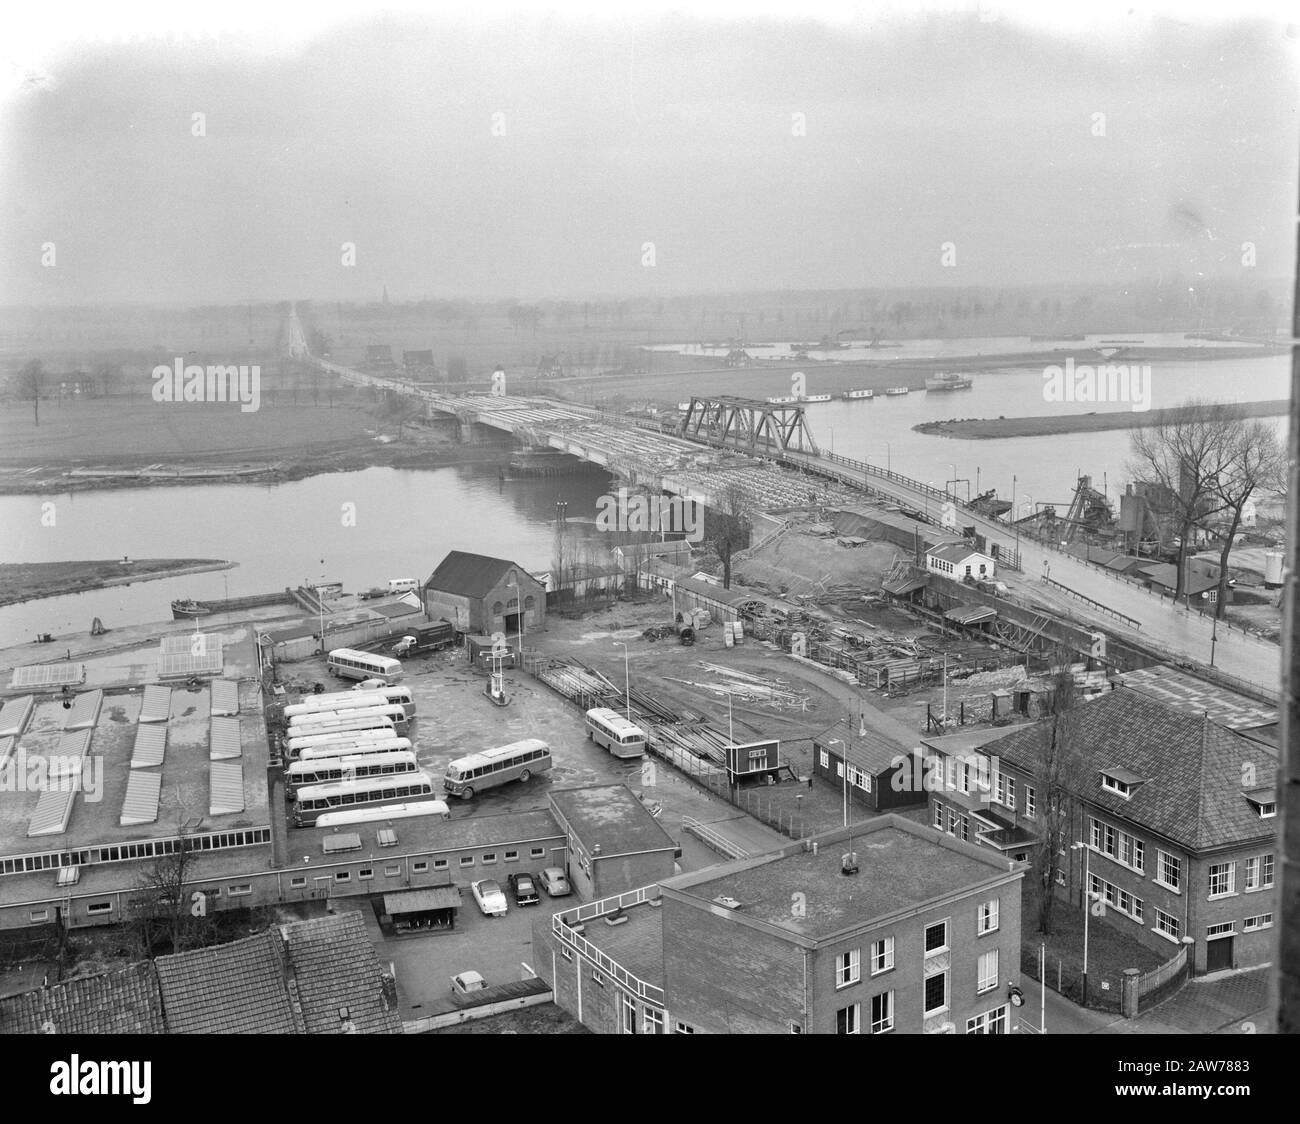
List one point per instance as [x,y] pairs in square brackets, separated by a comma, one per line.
[391,710]
[473,760]
[348,761]
[382,812]
[345,737]
[356,749]
[614,720]
[361,785]
[332,721]
[351,700]
[368,657]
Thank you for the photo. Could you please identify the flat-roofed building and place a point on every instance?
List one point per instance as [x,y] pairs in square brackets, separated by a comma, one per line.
[614,843]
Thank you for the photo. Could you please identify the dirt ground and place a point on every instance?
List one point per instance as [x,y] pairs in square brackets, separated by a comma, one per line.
[798,563]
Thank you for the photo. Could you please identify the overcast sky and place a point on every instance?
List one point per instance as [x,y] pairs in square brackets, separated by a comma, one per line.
[387,133]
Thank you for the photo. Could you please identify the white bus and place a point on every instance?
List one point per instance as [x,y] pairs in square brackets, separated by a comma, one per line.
[609,728]
[350,700]
[313,799]
[353,767]
[492,767]
[297,745]
[353,749]
[317,717]
[348,663]
[384,812]
[330,721]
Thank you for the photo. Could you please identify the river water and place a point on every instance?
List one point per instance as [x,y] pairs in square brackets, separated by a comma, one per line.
[406,520]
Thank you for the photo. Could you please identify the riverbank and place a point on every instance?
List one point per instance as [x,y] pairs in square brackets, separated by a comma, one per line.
[30,581]
[1049,425]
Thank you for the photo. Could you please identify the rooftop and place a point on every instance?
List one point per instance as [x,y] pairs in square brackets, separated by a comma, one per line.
[951,551]
[120,1001]
[611,817]
[636,944]
[471,575]
[1185,692]
[874,746]
[236,988]
[901,866]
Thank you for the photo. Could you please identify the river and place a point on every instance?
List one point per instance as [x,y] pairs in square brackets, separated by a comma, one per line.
[406,520]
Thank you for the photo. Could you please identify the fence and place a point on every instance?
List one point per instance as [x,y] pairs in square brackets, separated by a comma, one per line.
[1160,982]
[563,927]
[1066,979]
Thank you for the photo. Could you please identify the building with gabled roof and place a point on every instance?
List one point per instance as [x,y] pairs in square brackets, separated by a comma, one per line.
[119,1001]
[482,595]
[878,753]
[339,983]
[959,560]
[1176,815]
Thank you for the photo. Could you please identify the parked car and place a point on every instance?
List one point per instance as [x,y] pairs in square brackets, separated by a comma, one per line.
[462,983]
[555,883]
[487,892]
[524,888]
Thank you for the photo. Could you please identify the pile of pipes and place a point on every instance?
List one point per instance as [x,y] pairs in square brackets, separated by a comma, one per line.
[740,685]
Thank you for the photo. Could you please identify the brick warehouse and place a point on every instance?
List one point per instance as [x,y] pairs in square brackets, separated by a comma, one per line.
[923,937]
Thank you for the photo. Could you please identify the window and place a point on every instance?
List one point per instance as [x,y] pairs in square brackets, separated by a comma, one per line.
[1125,849]
[963,776]
[988,916]
[1031,802]
[991,1022]
[1115,897]
[419,867]
[1004,791]
[597,978]
[936,993]
[1169,871]
[825,759]
[488,857]
[298,882]
[1223,879]
[683,1028]
[988,972]
[1267,809]
[439,864]
[467,860]
[1259,873]
[839,768]
[629,1015]
[392,870]
[859,778]
[512,856]
[1253,924]
[38,915]
[848,967]
[654,1021]
[241,888]
[537,853]
[882,955]
[100,907]
[937,821]
[1224,929]
[846,1019]
[339,876]
[936,938]
[566,952]
[1168,925]
[366,872]
[1117,786]
[882,1012]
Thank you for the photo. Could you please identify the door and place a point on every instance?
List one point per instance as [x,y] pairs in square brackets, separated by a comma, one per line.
[321,887]
[1218,954]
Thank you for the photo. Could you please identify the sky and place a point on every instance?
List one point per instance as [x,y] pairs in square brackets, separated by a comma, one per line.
[568,156]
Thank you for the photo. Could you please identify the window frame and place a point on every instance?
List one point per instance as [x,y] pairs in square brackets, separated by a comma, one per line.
[983,981]
[930,1012]
[848,968]
[884,1024]
[985,913]
[887,950]
[925,938]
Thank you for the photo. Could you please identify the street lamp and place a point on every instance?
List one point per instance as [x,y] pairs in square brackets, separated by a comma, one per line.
[627,679]
[844,772]
[1087,912]
[889,459]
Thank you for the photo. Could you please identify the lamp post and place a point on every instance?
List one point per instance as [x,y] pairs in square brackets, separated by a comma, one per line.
[1087,912]
[627,679]
[889,458]
[844,772]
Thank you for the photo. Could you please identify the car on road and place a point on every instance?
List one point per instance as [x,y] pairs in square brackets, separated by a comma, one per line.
[487,892]
[524,888]
[464,983]
[555,883]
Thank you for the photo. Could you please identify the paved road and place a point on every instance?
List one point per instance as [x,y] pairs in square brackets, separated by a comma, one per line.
[1225,1003]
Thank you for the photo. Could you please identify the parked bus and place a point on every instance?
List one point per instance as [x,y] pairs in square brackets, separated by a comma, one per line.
[383,812]
[316,717]
[313,799]
[354,749]
[344,726]
[350,700]
[295,747]
[326,770]
[348,663]
[515,762]
[609,728]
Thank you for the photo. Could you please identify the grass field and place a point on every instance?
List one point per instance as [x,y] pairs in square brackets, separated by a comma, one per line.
[25,581]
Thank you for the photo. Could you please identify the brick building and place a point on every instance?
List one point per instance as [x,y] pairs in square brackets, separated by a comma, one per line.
[614,844]
[484,595]
[1176,813]
[911,934]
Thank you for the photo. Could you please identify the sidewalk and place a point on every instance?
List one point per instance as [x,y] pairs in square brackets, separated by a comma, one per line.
[1225,1003]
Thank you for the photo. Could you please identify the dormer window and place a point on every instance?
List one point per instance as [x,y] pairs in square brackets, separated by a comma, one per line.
[1263,801]
[1120,781]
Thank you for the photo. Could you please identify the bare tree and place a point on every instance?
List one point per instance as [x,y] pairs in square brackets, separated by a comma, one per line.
[165,918]
[29,382]
[1257,462]
[1183,457]
[1058,776]
[728,529]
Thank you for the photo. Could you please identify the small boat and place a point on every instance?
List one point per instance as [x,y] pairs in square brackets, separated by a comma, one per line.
[895,391]
[815,398]
[783,399]
[187,608]
[948,382]
[851,394]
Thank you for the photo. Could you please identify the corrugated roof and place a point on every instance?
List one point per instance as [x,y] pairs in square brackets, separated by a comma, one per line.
[140,805]
[971,614]
[225,696]
[121,1001]
[227,788]
[335,966]
[224,741]
[48,674]
[472,575]
[392,609]
[7,744]
[66,761]
[235,988]
[150,745]
[417,901]
[14,715]
[177,665]
[52,811]
[904,586]
[157,705]
[186,642]
[85,710]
